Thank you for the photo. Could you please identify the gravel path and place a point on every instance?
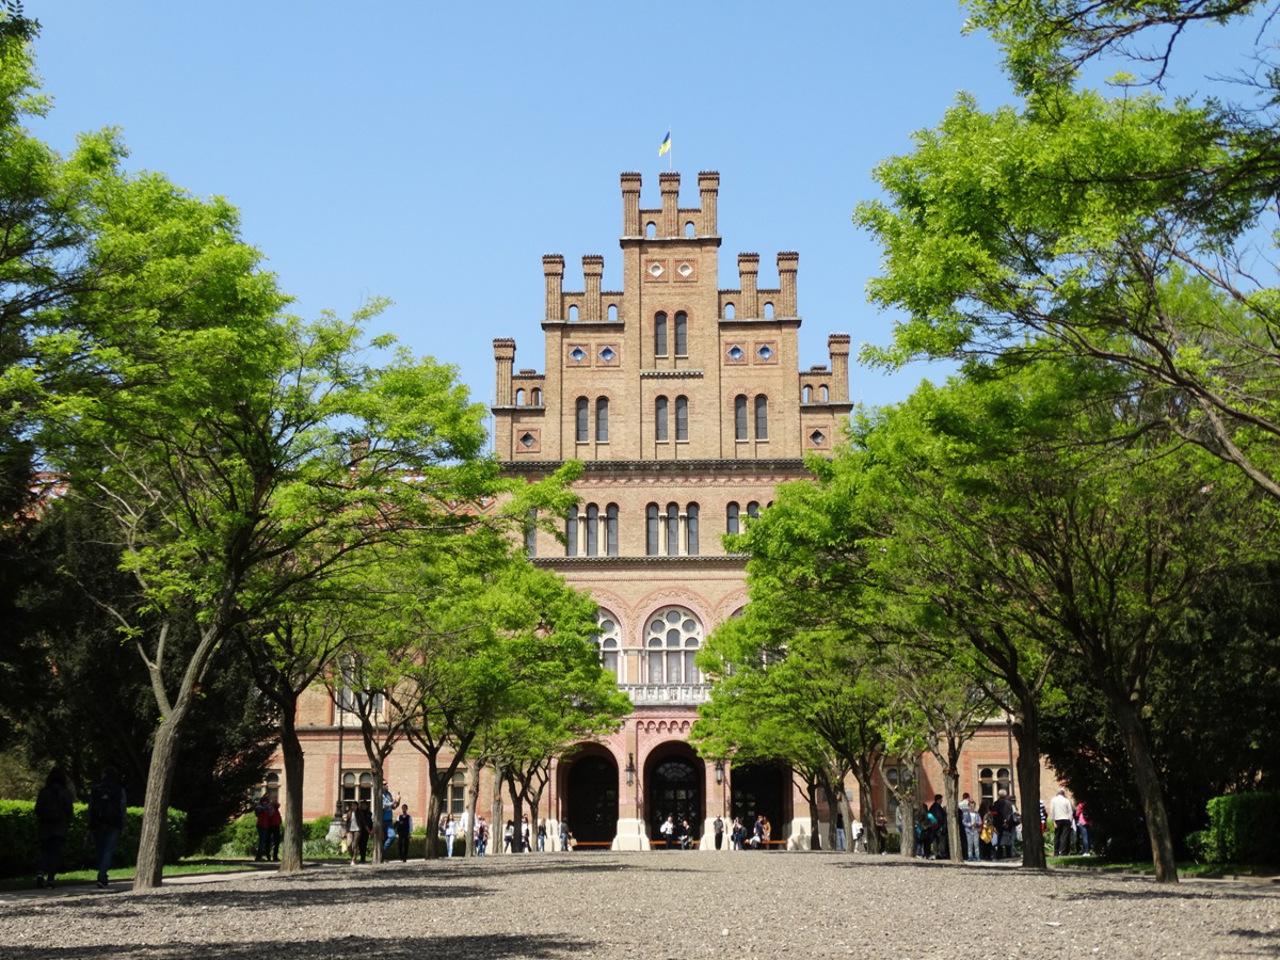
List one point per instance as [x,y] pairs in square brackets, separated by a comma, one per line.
[653,905]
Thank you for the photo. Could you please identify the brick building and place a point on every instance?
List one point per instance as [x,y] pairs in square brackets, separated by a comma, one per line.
[688,405]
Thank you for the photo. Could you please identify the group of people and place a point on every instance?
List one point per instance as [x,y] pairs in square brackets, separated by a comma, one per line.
[267,814]
[55,809]
[991,830]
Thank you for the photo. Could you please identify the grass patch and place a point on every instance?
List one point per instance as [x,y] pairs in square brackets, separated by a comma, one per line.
[126,874]
[1186,868]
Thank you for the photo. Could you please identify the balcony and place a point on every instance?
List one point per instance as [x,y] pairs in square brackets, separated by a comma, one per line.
[661,694]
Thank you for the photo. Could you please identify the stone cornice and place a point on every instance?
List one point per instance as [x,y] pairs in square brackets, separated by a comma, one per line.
[758,467]
[734,561]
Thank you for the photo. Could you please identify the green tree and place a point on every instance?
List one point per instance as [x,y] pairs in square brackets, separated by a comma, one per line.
[1101,547]
[1123,229]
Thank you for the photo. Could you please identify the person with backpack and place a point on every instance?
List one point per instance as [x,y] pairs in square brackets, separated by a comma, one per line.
[53,820]
[106,819]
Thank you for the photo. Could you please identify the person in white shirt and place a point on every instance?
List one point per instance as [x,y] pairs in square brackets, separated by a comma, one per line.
[1060,814]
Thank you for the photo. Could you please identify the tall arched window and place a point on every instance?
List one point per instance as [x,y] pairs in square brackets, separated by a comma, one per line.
[608,640]
[651,229]
[651,530]
[602,420]
[682,334]
[729,311]
[613,313]
[768,311]
[672,640]
[660,419]
[762,417]
[519,398]
[807,396]
[571,533]
[691,530]
[611,530]
[535,397]
[593,529]
[731,519]
[660,335]
[682,418]
[531,533]
[673,529]
[753,510]
[740,417]
[582,410]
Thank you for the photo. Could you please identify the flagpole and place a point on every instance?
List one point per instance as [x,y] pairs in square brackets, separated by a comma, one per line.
[671,152]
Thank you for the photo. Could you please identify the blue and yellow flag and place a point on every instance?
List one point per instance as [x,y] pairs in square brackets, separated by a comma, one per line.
[666,144]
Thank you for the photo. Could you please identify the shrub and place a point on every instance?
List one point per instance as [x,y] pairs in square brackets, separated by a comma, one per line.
[318,829]
[18,826]
[1243,828]
[893,843]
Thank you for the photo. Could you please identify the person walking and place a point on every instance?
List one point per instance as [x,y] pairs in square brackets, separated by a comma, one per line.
[1082,830]
[262,814]
[564,836]
[668,831]
[54,810]
[718,828]
[364,819]
[404,827]
[106,819]
[882,832]
[840,833]
[275,829]
[508,836]
[450,832]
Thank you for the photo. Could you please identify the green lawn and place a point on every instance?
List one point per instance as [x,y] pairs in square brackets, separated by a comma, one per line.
[123,874]
[1185,868]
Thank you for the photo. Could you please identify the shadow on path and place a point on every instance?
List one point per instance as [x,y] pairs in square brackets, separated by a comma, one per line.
[482,947]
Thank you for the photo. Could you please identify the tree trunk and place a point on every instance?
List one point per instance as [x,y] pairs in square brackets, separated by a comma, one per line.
[517,816]
[291,751]
[951,792]
[1147,779]
[866,802]
[377,762]
[811,794]
[1027,732]
[473,800]
[433,820]
[496,826]
[164,764]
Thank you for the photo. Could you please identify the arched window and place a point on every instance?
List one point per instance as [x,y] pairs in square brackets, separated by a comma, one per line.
[807,395]
[682,418]
[768,311]
[672,640]
[593,529]
[729,311]
[535,397]
[651,530]
[357,787]
[531,533]
[762,417]
[519,398]
[689,229]
[571,533]
[731,519]
[691,530]
[660,335]
[660,419]
[991,780]
[602,420]
[740,417]
[682,334]
[582,410]
[611,530]
[608,640]
[673,530]
[825,394]
[613,313]
[573,313]
[650,229]
[753,510]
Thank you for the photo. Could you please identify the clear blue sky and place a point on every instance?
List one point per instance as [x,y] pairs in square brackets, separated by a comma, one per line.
[431,153]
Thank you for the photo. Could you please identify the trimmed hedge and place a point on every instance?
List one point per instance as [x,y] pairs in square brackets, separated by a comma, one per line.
[1243,828]
[18,826]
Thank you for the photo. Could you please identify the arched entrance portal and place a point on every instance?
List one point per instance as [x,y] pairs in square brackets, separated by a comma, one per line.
[759,789]
[593,799]
[675,790]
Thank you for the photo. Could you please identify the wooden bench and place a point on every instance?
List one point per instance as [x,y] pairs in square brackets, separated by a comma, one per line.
[675,845]
[592,845]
